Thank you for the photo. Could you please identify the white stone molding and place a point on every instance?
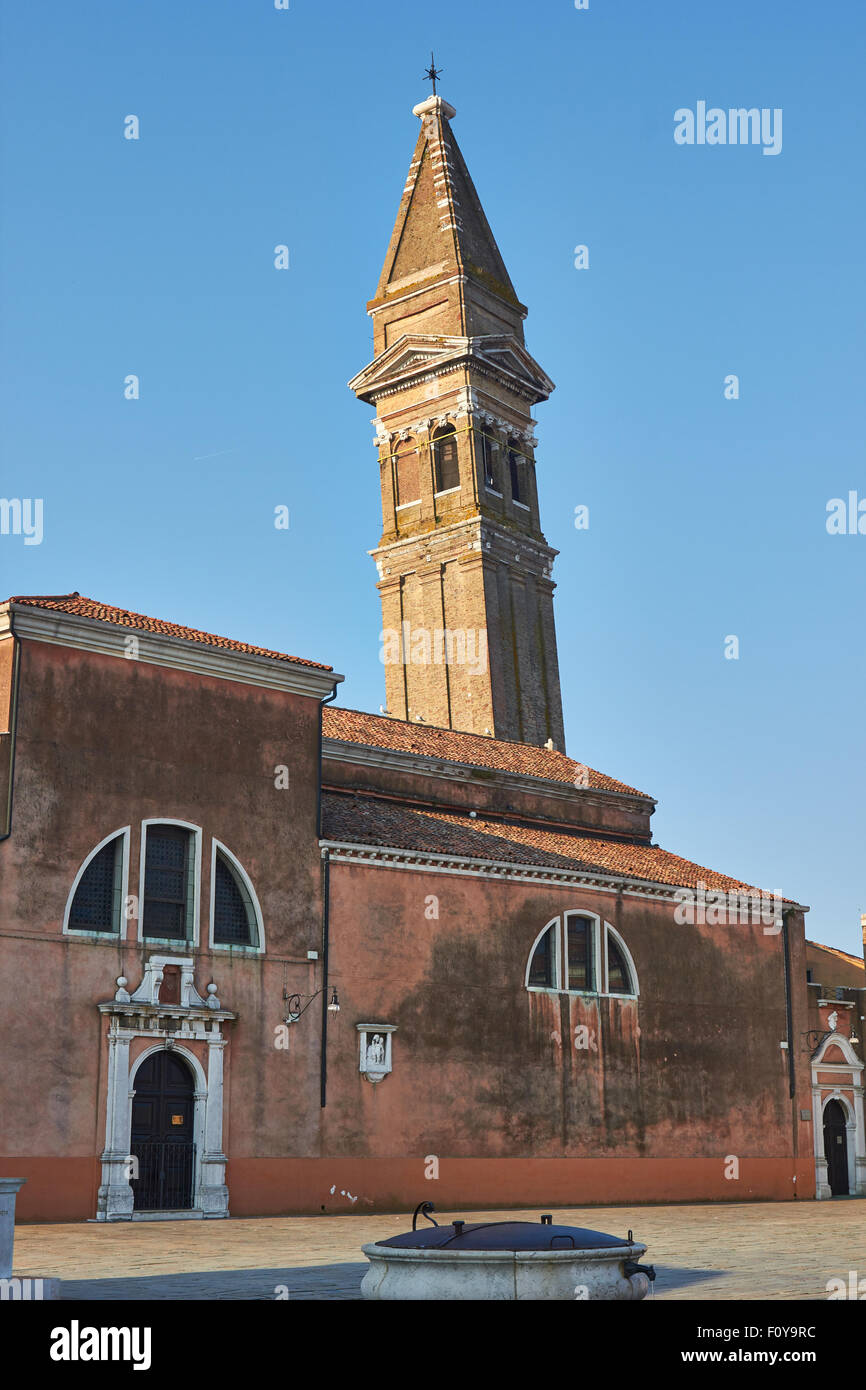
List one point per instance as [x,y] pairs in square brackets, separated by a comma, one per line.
[213,1193]
[177,653]
[849,1078]
[375,1050]
[168,1027]
[423,861]
[148,990]
[433,106]
[115,1199]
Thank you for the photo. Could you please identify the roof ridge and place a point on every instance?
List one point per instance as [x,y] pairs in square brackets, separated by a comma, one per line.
[445,729]
[31,598]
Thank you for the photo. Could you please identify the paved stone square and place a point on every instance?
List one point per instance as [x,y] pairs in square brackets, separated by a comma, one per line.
[772,1250]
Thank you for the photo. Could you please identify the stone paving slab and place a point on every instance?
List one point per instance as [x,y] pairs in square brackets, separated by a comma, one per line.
[761,1250]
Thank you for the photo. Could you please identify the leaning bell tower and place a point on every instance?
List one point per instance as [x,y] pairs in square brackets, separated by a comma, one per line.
[464,571]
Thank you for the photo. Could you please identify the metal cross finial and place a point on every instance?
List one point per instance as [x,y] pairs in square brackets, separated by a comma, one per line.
[433,72]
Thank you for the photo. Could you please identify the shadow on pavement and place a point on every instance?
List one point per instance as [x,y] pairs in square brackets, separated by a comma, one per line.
[311,1282]
[328,1282]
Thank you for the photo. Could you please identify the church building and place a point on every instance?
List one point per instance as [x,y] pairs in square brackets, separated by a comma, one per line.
[262,954]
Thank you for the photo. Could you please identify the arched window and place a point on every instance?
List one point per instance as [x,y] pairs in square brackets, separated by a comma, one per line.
[515,469]
[619,969]
[543,973]
[446,469]
[488,461]
[235,909]
[579,953]
[169,897]
[407,471]
[96,901]
[618,980]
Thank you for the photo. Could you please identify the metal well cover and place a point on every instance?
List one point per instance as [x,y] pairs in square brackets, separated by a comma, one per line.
[504,1235]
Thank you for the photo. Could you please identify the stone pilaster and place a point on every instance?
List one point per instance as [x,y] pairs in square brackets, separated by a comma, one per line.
[115,1197]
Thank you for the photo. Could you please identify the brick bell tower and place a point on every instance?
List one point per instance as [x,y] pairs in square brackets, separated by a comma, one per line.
[468,636]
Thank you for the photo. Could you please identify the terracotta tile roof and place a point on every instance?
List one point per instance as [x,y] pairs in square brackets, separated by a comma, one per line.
[476,750]
[835,951]
[370,821]
[83,607]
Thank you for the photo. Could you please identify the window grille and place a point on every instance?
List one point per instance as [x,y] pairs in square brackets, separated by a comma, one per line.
[95,906]
[167,882]
[233,914]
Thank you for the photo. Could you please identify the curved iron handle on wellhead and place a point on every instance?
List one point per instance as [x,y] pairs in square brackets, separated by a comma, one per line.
[425,1208]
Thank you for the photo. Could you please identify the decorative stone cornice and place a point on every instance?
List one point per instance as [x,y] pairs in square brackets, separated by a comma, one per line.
[385,857]
[475,533]
[167,1018]
[419,357]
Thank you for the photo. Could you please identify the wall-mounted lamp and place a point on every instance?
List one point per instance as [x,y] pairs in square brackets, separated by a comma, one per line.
[294,1003]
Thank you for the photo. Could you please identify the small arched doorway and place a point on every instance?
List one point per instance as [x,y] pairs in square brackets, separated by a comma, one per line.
[836,1148]
[162,1134]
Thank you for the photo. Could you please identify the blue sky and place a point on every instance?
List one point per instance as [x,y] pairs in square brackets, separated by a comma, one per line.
[707,516]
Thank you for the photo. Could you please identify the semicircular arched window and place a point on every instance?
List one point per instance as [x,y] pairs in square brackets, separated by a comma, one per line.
[96,901]
[236,917]
[446,468]
[578,953]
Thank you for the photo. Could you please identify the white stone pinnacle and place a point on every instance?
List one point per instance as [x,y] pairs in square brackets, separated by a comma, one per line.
[434,106]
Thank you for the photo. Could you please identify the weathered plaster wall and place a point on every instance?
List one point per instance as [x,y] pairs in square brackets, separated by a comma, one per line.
[486,1077]
[103,743]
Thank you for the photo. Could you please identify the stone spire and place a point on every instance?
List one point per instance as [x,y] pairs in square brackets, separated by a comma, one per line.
[443,271]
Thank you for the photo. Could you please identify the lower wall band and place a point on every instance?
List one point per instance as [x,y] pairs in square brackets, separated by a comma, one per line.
[65,1189]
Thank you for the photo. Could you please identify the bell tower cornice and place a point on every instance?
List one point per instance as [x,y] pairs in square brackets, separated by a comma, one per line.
[417,356]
